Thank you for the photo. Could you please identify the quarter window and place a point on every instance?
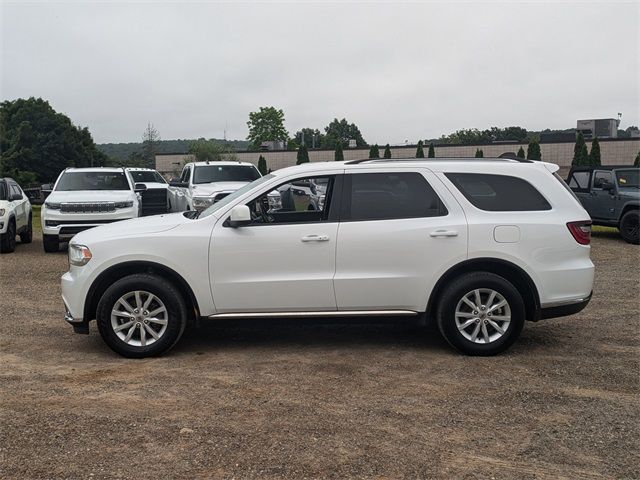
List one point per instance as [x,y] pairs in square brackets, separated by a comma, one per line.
[384,196]
[498,193]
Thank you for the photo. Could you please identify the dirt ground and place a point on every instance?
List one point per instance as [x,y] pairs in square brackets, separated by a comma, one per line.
[293,399]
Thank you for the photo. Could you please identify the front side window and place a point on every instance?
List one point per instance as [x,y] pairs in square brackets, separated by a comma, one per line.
[601,178]
[146,176]
[15,190]
[302,200]
[232,196]
[384,196]
[579,181]
[186,173]
[3,191]
[498,193]
[75,181]
[225,173]
[628,178]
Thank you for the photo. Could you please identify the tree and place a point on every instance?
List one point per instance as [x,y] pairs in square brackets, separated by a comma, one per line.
[533,151]
[594,156]
[309,137]
[150,141]
[206,150]
[387,151]
[580,153]
[342,131]
[520,153]
[636,163]
[339,156]
[302,156]
[420,150]
[262,165]
[265,125]
[432,151]
[479,153]
[374,151]
[37,143]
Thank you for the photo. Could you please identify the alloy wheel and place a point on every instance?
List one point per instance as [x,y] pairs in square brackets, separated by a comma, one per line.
[483,315]
[139,318]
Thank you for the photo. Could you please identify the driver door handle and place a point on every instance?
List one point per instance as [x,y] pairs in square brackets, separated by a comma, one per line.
[444,233]
[315,238]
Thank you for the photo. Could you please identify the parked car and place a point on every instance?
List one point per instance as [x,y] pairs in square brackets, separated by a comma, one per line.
[469,243]
[15,215]
[611,195]
[83,198]
[155,198]
[202,184]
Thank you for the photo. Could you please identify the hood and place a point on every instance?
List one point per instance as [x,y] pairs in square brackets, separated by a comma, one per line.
[135,226]
[629,191]
[208,189]
[90,196]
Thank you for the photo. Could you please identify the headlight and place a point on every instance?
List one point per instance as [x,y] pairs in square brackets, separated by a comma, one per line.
[202,202]
[128,204]
[2,210]
[79,254]
[52,205]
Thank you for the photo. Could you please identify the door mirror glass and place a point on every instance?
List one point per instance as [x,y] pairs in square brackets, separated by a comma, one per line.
[178,183]
[139,187]
[240,215]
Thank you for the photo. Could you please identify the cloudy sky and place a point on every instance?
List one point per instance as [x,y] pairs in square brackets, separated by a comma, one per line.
[400,71]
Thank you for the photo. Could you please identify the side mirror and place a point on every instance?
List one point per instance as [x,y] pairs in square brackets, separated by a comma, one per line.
[608,186]
[139,187]
[178,183]
[240,215]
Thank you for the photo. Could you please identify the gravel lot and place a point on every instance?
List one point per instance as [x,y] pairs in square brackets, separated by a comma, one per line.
[306,400]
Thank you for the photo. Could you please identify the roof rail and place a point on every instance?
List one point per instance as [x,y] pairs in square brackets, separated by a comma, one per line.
[445,159]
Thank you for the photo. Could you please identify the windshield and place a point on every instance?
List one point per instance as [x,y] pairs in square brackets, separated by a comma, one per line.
[225,173]
[628,178]
[231,197]
[144,176]
[74,181]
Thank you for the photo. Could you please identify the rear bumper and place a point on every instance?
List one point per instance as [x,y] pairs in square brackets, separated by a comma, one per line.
[564,309]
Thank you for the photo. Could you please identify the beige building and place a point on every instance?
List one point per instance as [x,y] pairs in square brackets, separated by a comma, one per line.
[613,152]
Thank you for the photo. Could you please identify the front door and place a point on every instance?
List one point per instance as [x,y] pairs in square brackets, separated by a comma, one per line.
[284,260]
[602,202]
[399,230]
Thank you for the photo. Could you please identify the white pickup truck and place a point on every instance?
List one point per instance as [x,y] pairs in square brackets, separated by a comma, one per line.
[202,184]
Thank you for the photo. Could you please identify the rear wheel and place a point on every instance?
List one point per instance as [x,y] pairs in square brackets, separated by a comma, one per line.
[141,315]
[27,235]
[8,239]
[630,227]
[51,243]
[481,313]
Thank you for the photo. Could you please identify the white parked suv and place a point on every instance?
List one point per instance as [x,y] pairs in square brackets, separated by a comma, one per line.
[15,215]
[202,184]
[480,246]
[83,198]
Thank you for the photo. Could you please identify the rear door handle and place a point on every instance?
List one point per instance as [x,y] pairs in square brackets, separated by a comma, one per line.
[315,238]
[444,233]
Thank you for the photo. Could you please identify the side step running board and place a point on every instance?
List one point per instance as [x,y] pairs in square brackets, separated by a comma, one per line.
[332,313]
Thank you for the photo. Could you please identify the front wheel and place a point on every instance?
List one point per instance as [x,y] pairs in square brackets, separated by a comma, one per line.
[481,313]
[27,235]
[141,315]
[630,227]
[51,243]
[8,239]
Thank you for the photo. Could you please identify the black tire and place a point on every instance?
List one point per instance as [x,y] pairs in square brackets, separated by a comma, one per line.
[459,288]
[165,292]
[8,239]
[51,243]
[630,227]
[27,235]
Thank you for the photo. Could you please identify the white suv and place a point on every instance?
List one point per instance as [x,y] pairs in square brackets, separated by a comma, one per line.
[202,184]
[15,215]
[83,198]
[478,245]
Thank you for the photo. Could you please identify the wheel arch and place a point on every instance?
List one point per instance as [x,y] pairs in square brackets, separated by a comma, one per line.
[508,270]
[121,270]
[627,207]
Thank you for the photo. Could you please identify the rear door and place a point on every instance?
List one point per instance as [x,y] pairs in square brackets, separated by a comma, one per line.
[400,229]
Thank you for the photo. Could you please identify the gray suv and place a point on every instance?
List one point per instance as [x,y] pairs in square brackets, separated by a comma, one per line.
[611,195]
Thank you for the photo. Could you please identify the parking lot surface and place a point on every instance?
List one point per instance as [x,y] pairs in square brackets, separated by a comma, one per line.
[275,399]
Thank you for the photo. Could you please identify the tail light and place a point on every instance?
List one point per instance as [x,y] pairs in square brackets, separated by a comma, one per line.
[581,231]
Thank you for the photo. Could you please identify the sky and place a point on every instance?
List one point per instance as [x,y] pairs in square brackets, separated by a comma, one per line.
[400,71]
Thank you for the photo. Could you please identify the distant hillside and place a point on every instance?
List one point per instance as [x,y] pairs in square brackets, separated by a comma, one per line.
[122,151]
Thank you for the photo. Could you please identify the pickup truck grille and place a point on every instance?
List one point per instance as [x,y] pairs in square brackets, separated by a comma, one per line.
[94,207]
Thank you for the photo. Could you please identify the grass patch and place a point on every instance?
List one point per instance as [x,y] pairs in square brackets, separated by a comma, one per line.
[601,229]
[35,210]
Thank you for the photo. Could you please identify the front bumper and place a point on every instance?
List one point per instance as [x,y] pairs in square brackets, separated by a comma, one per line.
[79,325]
[564,309]
[66,225]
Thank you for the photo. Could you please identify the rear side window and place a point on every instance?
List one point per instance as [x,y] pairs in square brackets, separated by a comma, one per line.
[498,193]
[385,196]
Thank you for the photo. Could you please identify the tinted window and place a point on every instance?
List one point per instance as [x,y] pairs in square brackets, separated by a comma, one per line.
[300,200]
[378,196]
[3,190]
[600,178]
[579,181]
[16,192]
[628,178]
[498,193]
[225,173]
[143,176]
[72,181]
[186,173]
